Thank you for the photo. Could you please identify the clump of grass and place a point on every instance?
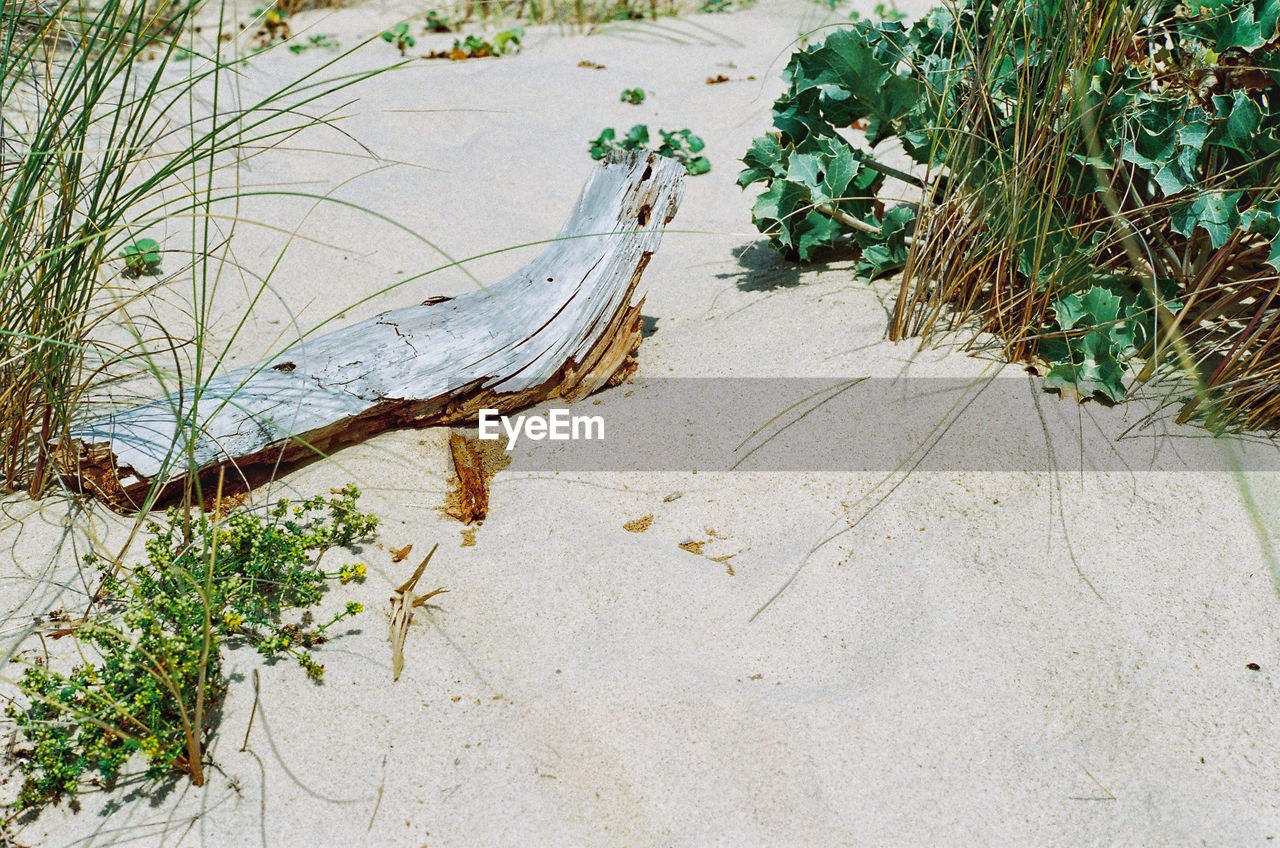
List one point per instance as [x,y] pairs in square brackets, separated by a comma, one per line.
[158,631]
[99,145]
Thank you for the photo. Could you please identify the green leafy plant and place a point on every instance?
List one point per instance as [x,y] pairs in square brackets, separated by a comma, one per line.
[399,36]
[158,630]
[711,7]
[508,41]
[684,146]
[681,145]
[1098,331]
[473,46]
[634,96]
[141,257]
[883,11]
[439,22]
[325,42]
[1068,150]
[637,138]
[504,43]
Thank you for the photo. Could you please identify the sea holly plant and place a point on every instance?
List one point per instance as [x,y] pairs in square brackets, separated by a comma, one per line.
[1099,330]
[399,37]
[141,257]
[151,670]
[1055,147]
[681,145]
[815,190]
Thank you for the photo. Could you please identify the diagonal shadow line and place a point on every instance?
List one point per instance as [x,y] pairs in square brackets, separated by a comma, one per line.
[923,449]
[839,390]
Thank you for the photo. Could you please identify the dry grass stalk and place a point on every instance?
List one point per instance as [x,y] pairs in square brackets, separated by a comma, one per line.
[403,603]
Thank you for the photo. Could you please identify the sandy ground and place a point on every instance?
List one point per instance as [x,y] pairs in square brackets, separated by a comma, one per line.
[963,657]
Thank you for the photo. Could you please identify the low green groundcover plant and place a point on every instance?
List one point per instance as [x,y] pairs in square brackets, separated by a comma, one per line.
[681,145]
[505,43]
[634,96]
[326,42]
[885,11]
[141,257]
[439,22]
[398,37]
[152,645]
[1098,182]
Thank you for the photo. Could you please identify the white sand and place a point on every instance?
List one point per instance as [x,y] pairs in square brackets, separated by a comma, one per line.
[985,658]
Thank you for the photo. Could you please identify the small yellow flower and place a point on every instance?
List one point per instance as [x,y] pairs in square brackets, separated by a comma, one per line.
[355,571]
[232,620]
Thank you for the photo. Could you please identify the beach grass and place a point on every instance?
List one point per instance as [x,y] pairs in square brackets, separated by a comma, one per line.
[102,147]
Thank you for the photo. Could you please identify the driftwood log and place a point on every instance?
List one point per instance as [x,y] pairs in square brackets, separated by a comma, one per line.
[563,326]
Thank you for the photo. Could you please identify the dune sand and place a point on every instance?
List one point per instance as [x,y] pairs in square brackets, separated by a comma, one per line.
[972,657]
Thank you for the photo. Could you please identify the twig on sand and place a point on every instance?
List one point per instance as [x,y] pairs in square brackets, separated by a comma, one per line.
[403,603]
[253,712]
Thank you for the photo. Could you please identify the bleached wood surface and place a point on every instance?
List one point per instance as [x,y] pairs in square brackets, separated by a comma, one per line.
[560,327]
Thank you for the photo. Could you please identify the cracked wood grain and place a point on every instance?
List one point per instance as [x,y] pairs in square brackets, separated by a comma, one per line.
[563,326]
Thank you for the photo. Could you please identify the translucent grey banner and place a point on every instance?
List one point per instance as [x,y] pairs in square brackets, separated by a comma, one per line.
[868,424]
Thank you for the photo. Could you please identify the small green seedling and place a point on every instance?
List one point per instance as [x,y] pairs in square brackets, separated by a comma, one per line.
[437,22]
[637,138]
[400,37]
[473,46]
[324,41]
[142,257]
[603,143]
[884,11]
[681,145]
[634,96]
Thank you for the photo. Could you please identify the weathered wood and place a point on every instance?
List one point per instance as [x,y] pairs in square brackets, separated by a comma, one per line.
[563,326]
[473,488]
